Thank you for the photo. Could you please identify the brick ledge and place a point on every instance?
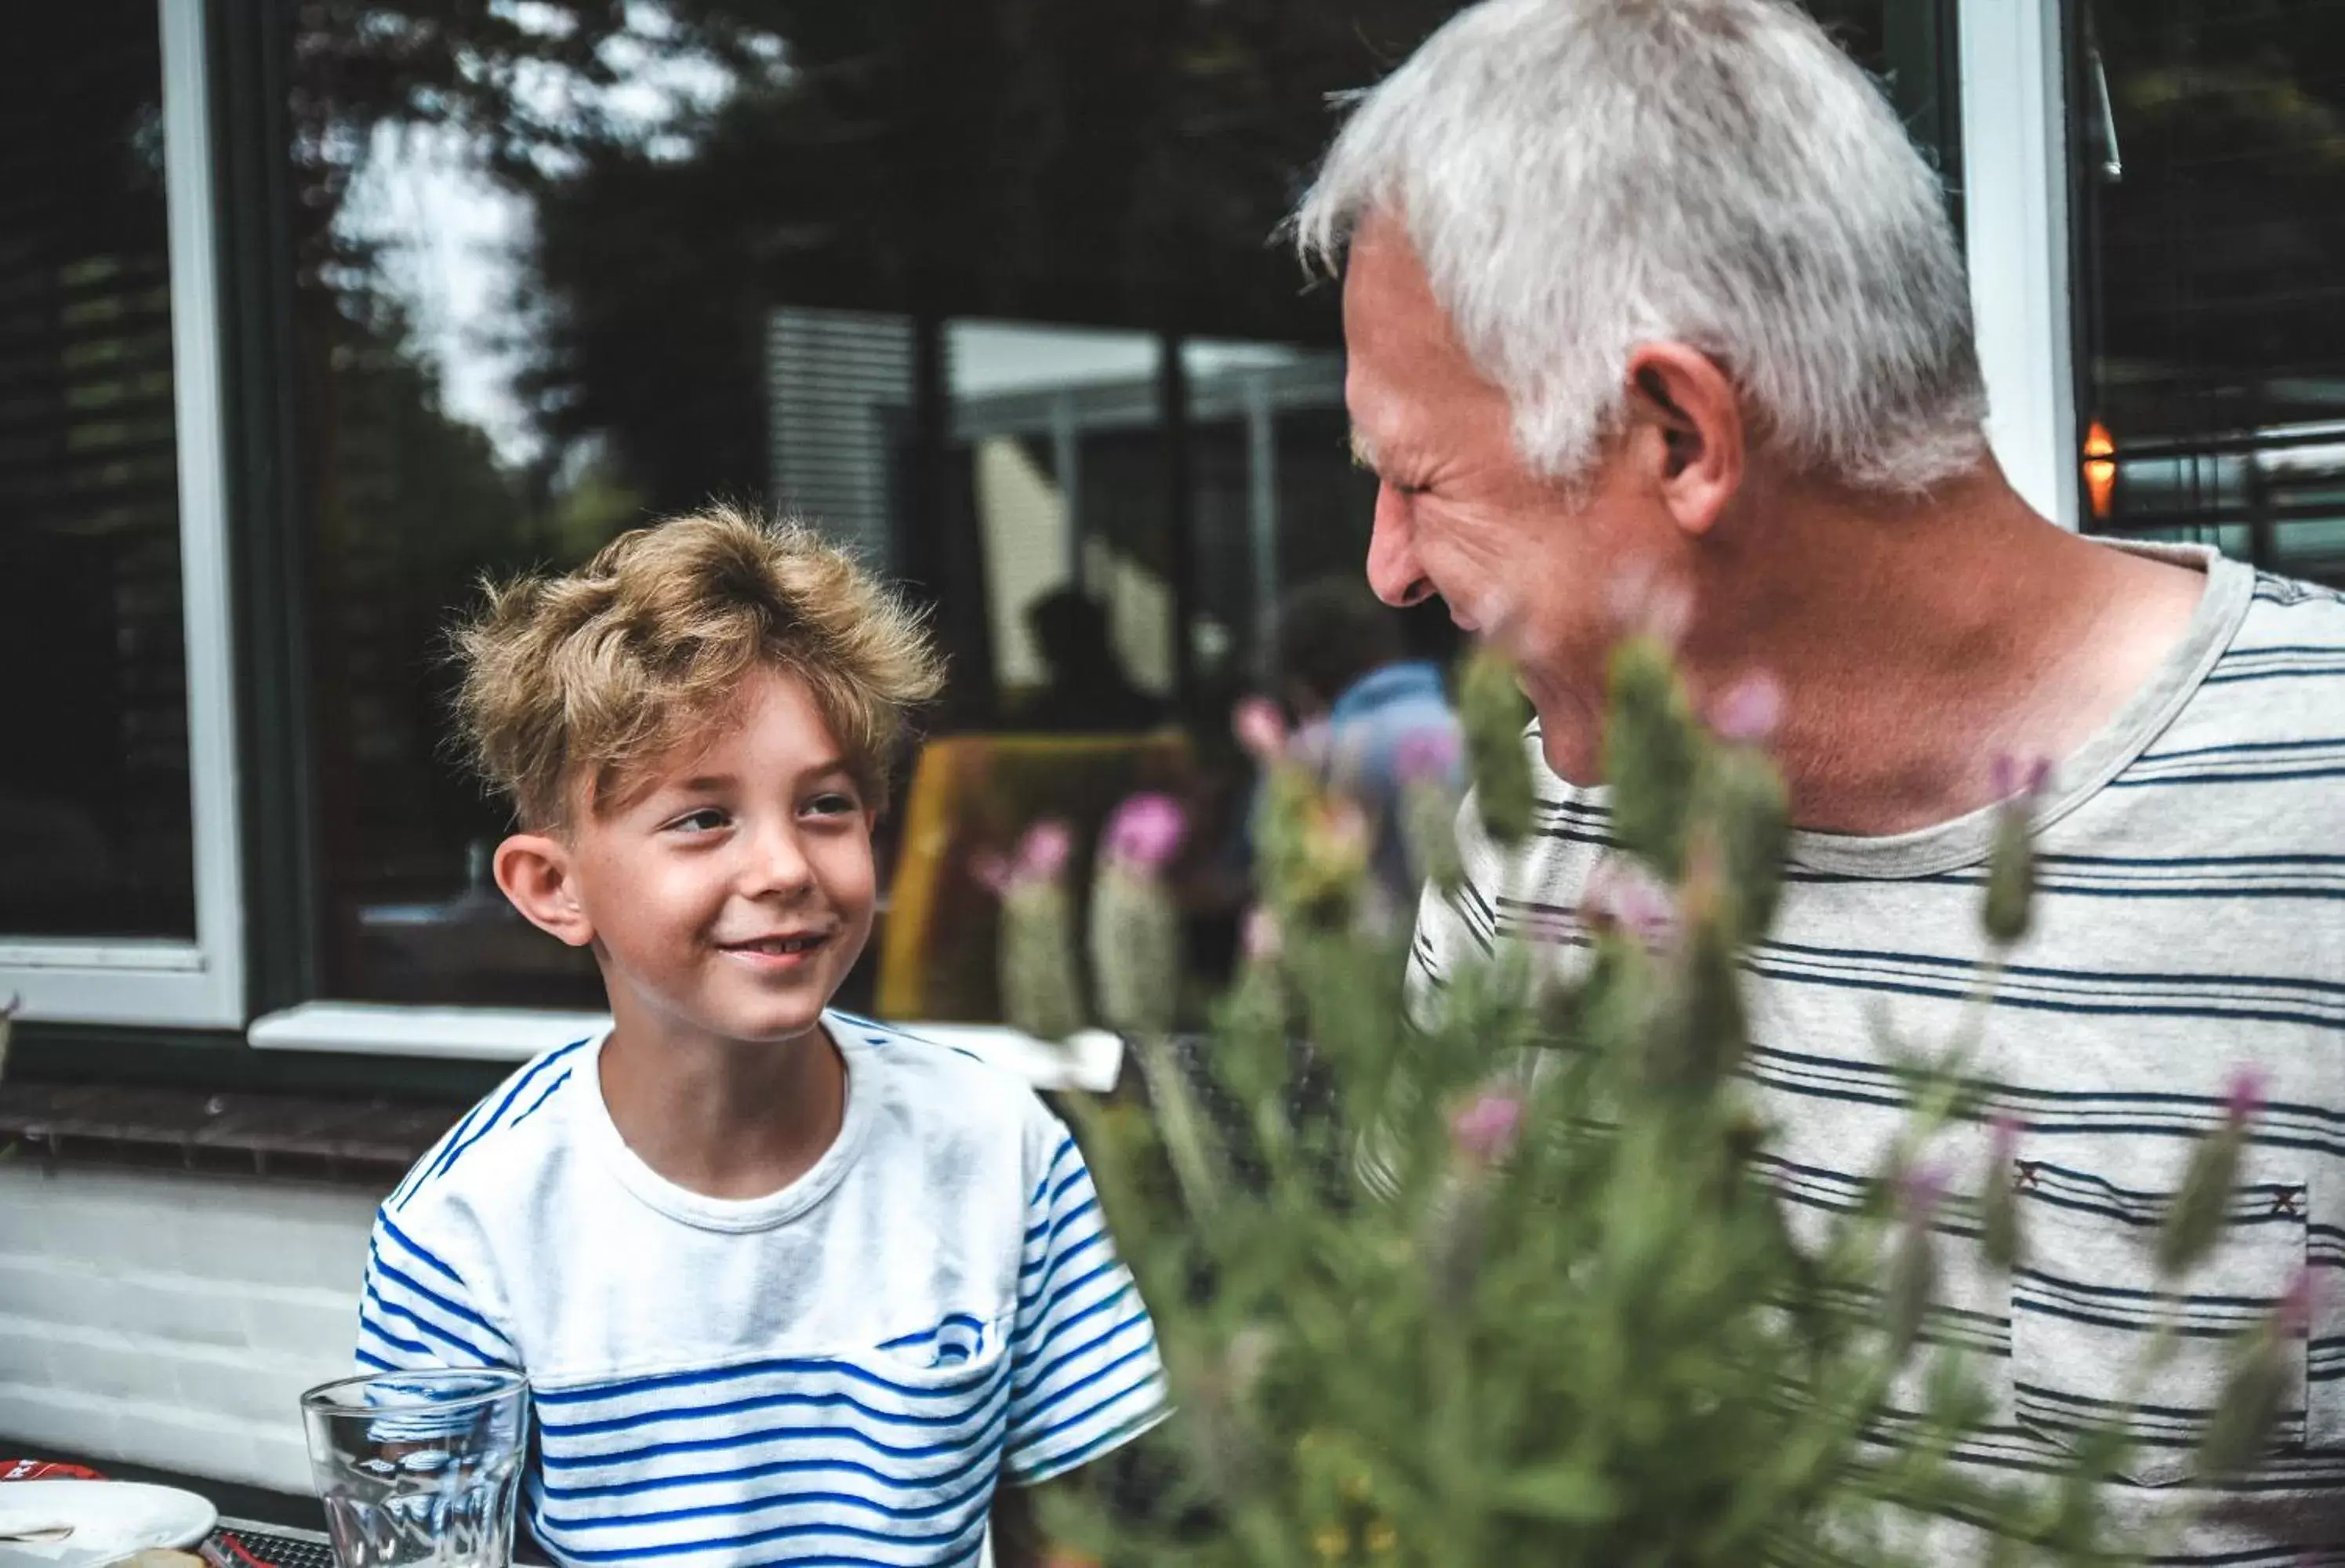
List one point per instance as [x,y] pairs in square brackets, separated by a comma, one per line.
[235,1133]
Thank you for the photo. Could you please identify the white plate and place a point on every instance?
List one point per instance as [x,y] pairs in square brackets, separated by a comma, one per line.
[110,1520]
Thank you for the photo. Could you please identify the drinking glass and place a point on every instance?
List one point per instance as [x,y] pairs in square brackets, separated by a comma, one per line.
[421,1467]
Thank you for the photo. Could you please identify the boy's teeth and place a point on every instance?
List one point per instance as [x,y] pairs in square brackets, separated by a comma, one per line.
[786,945]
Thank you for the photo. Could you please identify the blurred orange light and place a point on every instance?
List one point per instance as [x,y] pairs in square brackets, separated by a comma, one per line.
[2100,469]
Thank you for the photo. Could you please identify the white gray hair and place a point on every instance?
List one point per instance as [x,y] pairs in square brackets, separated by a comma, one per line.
[1578,177]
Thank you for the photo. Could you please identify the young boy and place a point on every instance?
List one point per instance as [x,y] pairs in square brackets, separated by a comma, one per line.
[790,1285]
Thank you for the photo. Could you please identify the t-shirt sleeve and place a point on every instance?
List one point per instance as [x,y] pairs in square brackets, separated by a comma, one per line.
[417,1310]
[1085,1374]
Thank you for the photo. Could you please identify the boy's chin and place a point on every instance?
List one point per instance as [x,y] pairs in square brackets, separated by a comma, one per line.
[749,1023]
[765,1025]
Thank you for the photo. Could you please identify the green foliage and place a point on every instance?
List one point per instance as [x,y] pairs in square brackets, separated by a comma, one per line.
[1492,708]
[1508,1287]
[1038,983]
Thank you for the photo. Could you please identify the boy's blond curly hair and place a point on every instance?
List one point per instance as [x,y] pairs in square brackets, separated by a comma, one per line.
[588,677]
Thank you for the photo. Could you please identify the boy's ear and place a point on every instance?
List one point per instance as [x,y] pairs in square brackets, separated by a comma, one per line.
[534,869]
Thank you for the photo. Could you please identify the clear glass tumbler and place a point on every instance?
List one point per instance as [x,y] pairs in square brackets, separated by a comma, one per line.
[421,1467]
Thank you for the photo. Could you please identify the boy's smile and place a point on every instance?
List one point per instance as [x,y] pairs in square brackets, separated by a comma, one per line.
[729,890]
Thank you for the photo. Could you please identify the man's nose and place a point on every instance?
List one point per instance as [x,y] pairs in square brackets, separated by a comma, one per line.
[1393,568]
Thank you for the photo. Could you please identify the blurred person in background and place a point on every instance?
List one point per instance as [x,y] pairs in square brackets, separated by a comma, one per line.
[1375,715]
[1089,691]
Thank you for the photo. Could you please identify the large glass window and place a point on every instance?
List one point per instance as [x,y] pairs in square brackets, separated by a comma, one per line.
[981,288]
[2211,284]
[95,835]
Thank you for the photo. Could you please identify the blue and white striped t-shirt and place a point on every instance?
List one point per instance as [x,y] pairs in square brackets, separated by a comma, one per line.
[2191,926]
[834,1373]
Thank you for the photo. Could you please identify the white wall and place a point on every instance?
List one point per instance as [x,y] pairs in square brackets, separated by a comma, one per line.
[171,1319]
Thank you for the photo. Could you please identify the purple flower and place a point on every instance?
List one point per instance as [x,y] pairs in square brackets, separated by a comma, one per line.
[1145,832]
[1622,895]
[1749,710]
[1425,756]
[1260,728]
[1486,1130]
[2244,1096]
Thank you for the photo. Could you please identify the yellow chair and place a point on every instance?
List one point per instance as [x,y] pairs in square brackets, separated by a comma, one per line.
[977,795]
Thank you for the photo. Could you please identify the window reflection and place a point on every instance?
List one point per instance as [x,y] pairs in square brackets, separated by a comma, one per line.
[1061,432]
[2211,320]
[981,289]
[95,836]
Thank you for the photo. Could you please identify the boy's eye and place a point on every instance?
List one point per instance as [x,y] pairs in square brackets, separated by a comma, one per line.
[834,804]
[708,819]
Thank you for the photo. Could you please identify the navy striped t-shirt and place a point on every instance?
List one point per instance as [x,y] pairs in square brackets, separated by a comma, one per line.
[2191,926]
[834,1373]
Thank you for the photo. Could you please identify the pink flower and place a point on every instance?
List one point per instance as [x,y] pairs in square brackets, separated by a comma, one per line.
[1622,895]
[1042,857]
[2018,781]
[1043,853]
[1425,756]
[1145,832]
[1920,1188]
[2244,1096]
[1486,1130]
[1646,604]
[1260,728]
[1748,710]
[2292,1313]
[2002,1145]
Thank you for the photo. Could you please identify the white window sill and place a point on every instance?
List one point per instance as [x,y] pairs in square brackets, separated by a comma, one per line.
[1091,1060]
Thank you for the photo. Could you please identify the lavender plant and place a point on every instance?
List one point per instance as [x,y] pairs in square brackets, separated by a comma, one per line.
[1512,1290]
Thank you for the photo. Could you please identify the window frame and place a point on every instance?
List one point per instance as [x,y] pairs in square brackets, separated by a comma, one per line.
[2016,232]
[169,981]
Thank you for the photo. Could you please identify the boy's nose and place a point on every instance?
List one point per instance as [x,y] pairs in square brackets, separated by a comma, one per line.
[776,863]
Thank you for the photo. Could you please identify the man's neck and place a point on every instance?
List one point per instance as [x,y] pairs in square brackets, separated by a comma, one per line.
[1916,643]
[725,1118]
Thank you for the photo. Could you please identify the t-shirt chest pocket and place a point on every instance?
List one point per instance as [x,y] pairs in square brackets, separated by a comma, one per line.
[955,1349]
[2088,1306]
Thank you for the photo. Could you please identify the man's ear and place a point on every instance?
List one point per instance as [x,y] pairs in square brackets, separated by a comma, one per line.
[1687,423]
[535,870]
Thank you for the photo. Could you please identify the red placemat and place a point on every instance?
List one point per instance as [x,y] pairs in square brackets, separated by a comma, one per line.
[45,1469]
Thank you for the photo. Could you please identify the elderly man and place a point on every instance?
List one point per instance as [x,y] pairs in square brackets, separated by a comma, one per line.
[1657,292]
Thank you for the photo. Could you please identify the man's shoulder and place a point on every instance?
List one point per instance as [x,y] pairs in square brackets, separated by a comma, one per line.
[519,1122]
[2266,723]
[2292,634]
